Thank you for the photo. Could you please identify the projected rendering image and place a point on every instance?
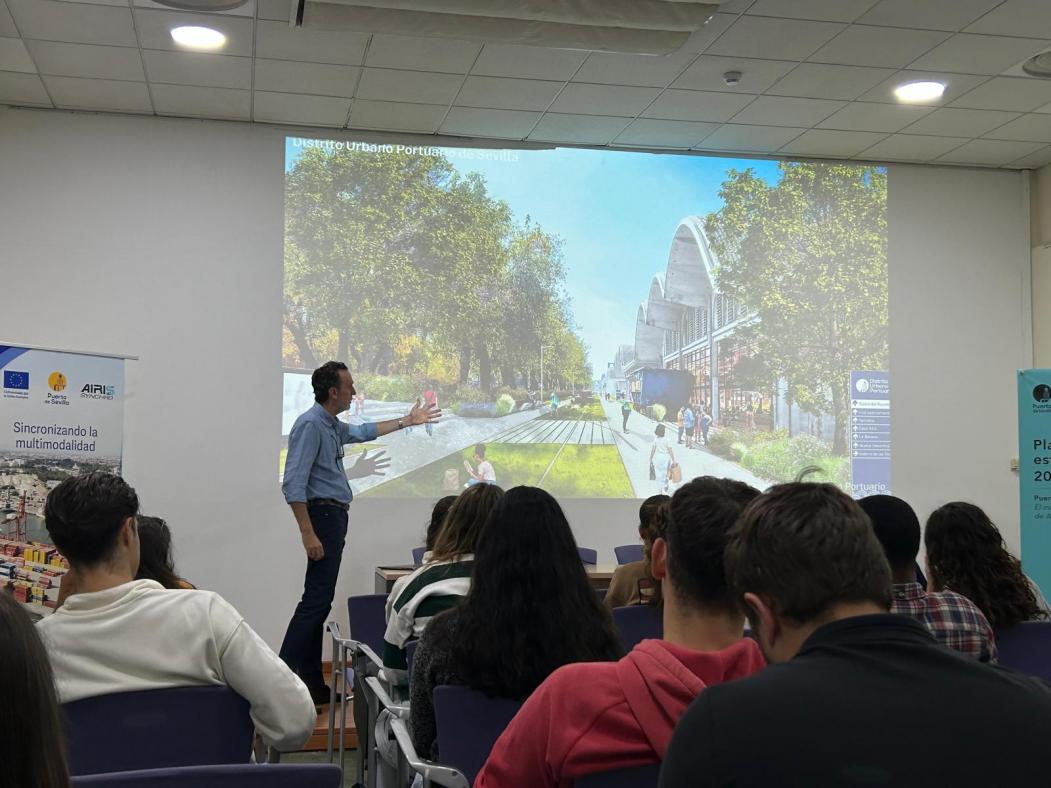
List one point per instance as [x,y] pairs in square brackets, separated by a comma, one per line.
[563,307]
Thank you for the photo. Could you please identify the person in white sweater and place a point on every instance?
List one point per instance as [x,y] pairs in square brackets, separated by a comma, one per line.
[118,634]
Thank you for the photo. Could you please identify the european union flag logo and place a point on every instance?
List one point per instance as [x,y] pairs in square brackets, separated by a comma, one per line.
[16,380]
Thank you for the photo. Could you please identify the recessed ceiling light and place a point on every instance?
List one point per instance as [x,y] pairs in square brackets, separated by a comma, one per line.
[914,92]
[1038,65]
[198,37]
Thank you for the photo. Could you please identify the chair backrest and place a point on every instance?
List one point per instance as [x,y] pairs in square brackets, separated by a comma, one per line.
[635,777]
[298,775]
[468,725]
[151,729]
[417,555]
[368,619]
[638,622]
[1026,647]
[627,553]
[587,555]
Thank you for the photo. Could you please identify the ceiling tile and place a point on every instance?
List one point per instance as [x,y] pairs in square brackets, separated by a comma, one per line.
[87,60]
[697,105]
[198,68]
[818,80]
[422,54]
[955,86]
[396,116]
[22,89]
[778,111]
[665,133]
[1008,93]
[300,110]
[776,39]
[927,14]
[990,152]
[860,116]
[1028,128]
[419,87]
[822,142]
[276,10]
[155,30]
[891,47]
[701,39]
[500,60]
[707,71]
[246,10]
[736,6]
[971,54]
[952,121]
[825,10]
[582,129]
[1040,158]
[504,93]
[318,79]
[7,23]
[499,123]
[912,147]
[197,102]
[279,41]
[103,94]
[755,139]
[607,68]
[1016,18]
[122,3]
[77,23]
[15,57]
[603,100]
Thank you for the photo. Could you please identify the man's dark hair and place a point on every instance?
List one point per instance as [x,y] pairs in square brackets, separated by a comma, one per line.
[896,526]
[700,517]
[84,514]
[479,450]
[326,377]
[805,547]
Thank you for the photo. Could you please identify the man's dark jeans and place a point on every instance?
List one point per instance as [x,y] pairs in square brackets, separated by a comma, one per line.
[301,649]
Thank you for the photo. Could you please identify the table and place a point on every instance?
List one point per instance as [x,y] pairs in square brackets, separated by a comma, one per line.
[386,575]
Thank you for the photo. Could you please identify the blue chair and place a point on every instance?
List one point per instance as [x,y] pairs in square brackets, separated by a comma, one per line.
[468,725]
[635,777]
[367,617]
[628,553]
[417,555]
[587,555]
[637,623]
[152,729]
[1026,647]
[307,775]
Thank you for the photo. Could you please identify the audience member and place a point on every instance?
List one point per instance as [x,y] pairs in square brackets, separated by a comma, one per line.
[32,750]
[851,683]
[633,583]
[954,620]
[119,634]
[530,610]
[441,508]
[155,554]
[593,717]
[439,583]
[966,553]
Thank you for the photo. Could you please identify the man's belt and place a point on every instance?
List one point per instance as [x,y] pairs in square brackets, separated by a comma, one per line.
[328,502]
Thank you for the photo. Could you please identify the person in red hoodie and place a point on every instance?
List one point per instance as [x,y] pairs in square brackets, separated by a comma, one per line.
[597,716]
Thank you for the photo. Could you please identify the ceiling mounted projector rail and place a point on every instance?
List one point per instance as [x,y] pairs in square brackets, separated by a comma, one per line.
[651,27]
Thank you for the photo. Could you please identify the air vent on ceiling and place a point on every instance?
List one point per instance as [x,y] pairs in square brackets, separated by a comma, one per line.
[652,27]
[1038,65]
[202,5]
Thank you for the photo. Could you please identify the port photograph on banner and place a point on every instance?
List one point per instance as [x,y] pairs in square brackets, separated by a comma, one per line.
[61,415]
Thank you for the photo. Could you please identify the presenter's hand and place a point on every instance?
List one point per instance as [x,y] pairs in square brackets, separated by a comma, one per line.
[376,465]
[423,414]
[315,552]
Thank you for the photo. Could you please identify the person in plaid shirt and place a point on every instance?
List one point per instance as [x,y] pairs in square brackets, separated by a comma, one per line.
[952,618]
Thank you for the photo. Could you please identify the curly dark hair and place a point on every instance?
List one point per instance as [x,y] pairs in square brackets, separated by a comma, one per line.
[531,608]
[326,377]
[966,554]
[84,515]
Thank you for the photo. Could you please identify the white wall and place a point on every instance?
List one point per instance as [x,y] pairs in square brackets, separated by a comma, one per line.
[162,239]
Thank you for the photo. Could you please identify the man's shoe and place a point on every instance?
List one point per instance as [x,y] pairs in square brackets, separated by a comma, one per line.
[323,695]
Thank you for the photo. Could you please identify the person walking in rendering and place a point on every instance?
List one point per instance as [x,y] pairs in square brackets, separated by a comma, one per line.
[625,411]
[688,424]
[705,422]
[661,458]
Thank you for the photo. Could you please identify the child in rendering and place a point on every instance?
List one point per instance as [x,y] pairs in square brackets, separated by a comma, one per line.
[484,473]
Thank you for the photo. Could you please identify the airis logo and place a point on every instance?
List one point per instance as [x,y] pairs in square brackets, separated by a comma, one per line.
[57,382]
[97,391]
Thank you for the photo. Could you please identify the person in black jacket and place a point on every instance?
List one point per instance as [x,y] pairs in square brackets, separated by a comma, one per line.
[854,696]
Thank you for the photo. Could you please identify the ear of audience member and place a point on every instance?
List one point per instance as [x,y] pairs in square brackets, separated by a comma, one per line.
[437,585]
[118,634]
[952,618]
[155,554]
[530,609]
[32,742]
[840,707]
[633,583]
[966,554]
[590,717]
[441,508]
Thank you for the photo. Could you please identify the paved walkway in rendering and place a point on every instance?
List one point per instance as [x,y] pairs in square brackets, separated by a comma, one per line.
[564,431]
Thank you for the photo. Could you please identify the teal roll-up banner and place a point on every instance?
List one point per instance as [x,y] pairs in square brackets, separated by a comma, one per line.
[1034,472]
